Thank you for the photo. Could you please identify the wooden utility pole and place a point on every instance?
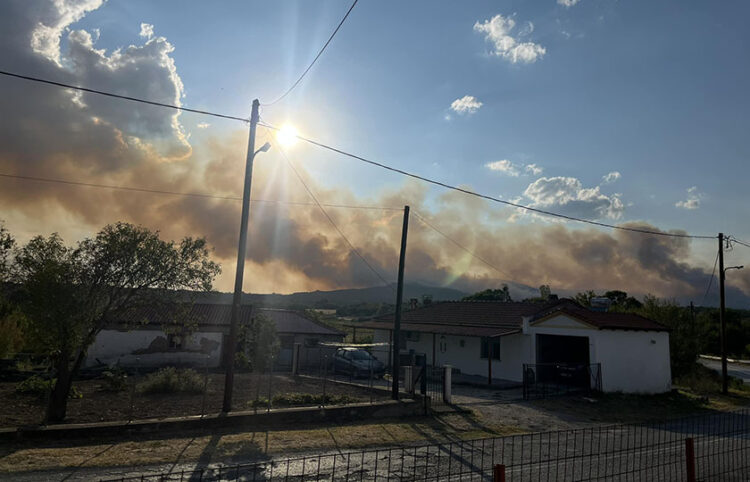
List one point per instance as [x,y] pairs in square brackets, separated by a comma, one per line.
[231,347]
[399,301]
[722,319]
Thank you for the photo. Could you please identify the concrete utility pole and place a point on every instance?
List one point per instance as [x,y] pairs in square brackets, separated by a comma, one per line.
[722,320]
[231,346]
[399,300]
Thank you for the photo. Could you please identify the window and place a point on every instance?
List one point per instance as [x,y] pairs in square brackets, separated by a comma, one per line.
[494,343]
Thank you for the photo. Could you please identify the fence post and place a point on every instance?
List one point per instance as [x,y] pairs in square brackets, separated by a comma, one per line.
[447,395]
[295,359]
[690,459]
[408,381]
[498,473]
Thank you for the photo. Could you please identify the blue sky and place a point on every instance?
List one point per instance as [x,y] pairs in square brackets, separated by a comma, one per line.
[655,92]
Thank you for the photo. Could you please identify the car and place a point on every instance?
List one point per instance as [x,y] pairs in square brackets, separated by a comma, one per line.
[357,362]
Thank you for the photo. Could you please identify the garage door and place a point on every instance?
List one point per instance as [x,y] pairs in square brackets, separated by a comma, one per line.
[562,349]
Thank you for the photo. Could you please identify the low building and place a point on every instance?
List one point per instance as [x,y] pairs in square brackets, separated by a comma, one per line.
[496,340]
[198,335]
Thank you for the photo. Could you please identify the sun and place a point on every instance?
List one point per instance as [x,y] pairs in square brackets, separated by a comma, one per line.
[287,135]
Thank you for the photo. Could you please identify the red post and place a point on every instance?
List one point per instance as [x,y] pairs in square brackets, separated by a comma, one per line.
[498,474]
[690,459]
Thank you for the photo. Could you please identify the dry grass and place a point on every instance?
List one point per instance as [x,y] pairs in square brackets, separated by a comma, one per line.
[245,446]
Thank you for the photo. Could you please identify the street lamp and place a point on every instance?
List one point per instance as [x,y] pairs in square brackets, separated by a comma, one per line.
[231,347]
[722,317]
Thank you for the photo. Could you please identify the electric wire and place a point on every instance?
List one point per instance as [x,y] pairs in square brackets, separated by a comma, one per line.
[122,97]
[189,194]
[333,223]
[738,241]
[710,280]
[467,250]
[371,162]
[491,198]
[295,84]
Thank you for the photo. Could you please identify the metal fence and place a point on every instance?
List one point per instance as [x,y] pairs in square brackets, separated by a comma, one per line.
[544,380]
[719,450]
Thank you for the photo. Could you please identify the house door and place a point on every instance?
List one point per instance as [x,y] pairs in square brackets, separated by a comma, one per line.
[562,359]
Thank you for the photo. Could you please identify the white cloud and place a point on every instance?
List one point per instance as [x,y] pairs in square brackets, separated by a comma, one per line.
[693,200]
[45,38]
[203,125]
[467,104]
[533,169]
[504,166]
[611,177]
[567,3]
[568,196]
[147,30]
[498,31]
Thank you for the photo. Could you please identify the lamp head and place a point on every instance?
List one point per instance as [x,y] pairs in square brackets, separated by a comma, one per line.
[265,147]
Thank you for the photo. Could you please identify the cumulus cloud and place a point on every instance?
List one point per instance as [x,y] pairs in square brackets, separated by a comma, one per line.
[568,196]
[467,104]
[512,169]
[147,30]
[693,200]
[610,177]
[498,29]
[504,166]
[533,169]
[567,3]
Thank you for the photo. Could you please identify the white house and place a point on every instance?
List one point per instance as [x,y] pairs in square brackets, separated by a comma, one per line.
[139,339]
[496,339]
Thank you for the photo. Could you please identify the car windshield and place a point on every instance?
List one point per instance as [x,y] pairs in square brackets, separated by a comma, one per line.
[360,355]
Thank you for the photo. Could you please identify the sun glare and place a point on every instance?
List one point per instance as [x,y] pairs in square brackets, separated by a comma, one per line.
[287,135]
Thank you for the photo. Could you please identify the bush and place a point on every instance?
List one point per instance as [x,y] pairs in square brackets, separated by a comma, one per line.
[40,388]
[302,399]
[172,380]
[114,380]
[704,380]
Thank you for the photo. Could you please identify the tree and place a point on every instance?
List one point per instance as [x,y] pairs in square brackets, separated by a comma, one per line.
[11,331]
[544,292]
[683,339]
[583,298]
[69,294]
[6,247]
[502,294]
[258,343]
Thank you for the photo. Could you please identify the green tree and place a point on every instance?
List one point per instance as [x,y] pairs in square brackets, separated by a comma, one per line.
[11,321]
[683,339]
[502,294]
[258,343]
[69,293]
[583,298]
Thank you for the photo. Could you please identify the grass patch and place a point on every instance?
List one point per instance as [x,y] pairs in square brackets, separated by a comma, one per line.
[303,399]
[703,380]
[172,380]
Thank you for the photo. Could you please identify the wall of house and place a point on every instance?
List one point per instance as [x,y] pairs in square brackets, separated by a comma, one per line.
[631,361]
[151,348]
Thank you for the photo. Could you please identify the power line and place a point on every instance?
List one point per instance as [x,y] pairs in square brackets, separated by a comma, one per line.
[368,161]
[474,255]
[188,194]
[735,240]
[710,280]
[330,220]
[294,85]
[122,97]
[491,198]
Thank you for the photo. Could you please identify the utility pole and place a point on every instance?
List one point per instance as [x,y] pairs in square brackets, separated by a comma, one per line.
[399,301]
[231,347]
[722,318]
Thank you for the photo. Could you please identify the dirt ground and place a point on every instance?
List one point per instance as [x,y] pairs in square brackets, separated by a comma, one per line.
[98,405]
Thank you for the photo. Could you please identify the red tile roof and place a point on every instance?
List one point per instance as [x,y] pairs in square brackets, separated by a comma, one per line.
[490,318]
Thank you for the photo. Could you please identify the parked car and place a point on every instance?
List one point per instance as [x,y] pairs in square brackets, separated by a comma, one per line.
[357,362]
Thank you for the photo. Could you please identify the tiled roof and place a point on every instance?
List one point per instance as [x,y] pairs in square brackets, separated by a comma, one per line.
[218,315]
[490,318]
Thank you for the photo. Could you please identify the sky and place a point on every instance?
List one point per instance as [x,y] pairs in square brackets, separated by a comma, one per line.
[628,113]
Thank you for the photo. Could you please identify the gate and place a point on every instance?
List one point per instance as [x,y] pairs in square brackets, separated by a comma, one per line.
[544,380]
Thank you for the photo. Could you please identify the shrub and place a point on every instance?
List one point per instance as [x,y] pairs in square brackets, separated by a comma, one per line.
[172,380]
[39,387]
[114,380]
[704,380]
[301,399]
